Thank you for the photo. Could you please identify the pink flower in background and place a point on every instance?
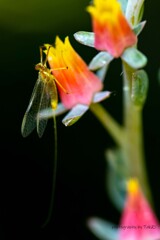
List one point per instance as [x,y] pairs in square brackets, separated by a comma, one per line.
[138,221]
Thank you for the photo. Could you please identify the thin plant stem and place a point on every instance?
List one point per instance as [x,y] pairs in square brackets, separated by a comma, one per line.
[115,130]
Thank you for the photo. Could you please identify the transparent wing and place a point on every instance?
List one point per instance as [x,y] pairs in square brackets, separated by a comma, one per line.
[49,97]
[30,116]
[44,104]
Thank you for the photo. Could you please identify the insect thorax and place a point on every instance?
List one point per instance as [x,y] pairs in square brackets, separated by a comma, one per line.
[44,71]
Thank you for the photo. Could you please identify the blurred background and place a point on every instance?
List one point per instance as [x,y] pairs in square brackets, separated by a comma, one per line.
[26,164]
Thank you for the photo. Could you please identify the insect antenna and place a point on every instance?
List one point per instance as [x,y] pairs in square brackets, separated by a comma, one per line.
[45,61]
[41,55]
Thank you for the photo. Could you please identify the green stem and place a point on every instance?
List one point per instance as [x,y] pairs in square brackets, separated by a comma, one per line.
[133,148]
[115,130]
[129,138]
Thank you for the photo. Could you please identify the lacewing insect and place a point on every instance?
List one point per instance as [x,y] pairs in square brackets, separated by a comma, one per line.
[43,96]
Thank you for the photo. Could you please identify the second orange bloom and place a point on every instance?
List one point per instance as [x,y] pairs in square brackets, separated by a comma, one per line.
[112,31]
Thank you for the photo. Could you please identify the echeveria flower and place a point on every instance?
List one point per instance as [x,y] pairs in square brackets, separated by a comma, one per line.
[78,82]
[138,221]
[112,31]
[78,87]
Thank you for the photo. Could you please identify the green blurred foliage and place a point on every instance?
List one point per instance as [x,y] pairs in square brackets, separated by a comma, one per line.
[41,16]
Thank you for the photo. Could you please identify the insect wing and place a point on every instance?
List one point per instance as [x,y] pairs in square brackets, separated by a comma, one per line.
[44,104]
[30,116]
[49,98]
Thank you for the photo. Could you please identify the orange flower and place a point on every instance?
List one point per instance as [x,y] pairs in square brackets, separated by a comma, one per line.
[138,221]
[112,31]
[76,84]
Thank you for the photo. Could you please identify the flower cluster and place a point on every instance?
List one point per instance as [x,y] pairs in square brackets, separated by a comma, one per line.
[79,88]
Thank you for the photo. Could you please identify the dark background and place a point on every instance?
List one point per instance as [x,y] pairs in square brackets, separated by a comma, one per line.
[26,164]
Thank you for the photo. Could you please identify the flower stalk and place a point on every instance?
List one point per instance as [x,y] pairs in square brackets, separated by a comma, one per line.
[133,148]
[128,137]
[110,124]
